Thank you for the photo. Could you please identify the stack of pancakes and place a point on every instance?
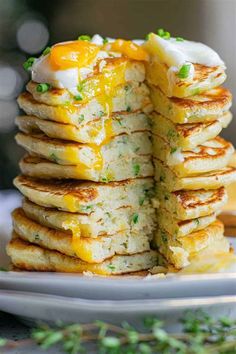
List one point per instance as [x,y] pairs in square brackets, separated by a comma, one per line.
[87,176]
[190,159]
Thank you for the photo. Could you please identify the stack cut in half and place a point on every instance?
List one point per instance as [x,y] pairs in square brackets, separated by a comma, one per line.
[191,160]
[87,177]
[94,145]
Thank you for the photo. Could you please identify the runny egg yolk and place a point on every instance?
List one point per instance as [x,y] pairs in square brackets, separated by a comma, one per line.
[74,54]
[129,49]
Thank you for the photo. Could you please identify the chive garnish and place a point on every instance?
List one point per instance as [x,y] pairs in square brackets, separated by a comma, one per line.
[84,37]
[179,39]
[184,71]
[105,40]
[78,97]
[135,218]
[47,51]
[163,34]
[28,63]
[43,88]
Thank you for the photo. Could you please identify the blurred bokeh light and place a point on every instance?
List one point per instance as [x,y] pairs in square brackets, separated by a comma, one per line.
[32,36]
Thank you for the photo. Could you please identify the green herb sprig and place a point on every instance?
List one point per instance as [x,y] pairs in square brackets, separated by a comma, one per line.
[201,334]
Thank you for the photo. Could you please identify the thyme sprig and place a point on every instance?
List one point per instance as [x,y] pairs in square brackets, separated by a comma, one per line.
[201,335]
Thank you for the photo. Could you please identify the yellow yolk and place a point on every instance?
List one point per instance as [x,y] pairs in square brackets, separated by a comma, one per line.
[82,248]
[74,54]
[104,83]
[129,49]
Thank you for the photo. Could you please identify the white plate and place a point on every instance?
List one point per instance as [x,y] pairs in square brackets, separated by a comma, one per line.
[105,288]
[53,308]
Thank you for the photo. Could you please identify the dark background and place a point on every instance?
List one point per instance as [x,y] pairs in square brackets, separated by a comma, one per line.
[27,27]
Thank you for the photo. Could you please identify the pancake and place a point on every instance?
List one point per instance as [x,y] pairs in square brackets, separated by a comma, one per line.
[180,228]
[188,136]
[95,224]
[106,75]
[122,169]
[205,78]
[212,155]
[90,250]
[128,98]
[94,132]
[209,180]
[186,205]
[200,108]
[179,252]
[99,158]
[85,197]
[31,257]
[157,71]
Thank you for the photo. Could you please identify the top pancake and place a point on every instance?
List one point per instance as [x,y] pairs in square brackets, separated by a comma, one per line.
[85,197]
[110,72]
[199,108]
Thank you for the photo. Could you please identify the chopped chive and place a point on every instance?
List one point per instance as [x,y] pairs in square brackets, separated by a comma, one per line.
[135,218]
[104,179]
[163,34]
[43,88]
[105,40]
[184,71]
[166,35]
[84,37]
[78,97]
[28,63]
[141,200]
[36,237]
[173,150]
[54,157]
[147,36]
[111,267]
[160,32]
[197,222]
[128,109]
[136,169]
[179,39]
[47,51]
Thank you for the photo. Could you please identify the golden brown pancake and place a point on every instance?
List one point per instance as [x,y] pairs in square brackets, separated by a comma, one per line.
[86,197]
[203,107]
[27,256]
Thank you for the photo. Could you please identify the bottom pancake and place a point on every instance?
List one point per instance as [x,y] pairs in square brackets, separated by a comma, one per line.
[179,251]
[85,248]
[27,256]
